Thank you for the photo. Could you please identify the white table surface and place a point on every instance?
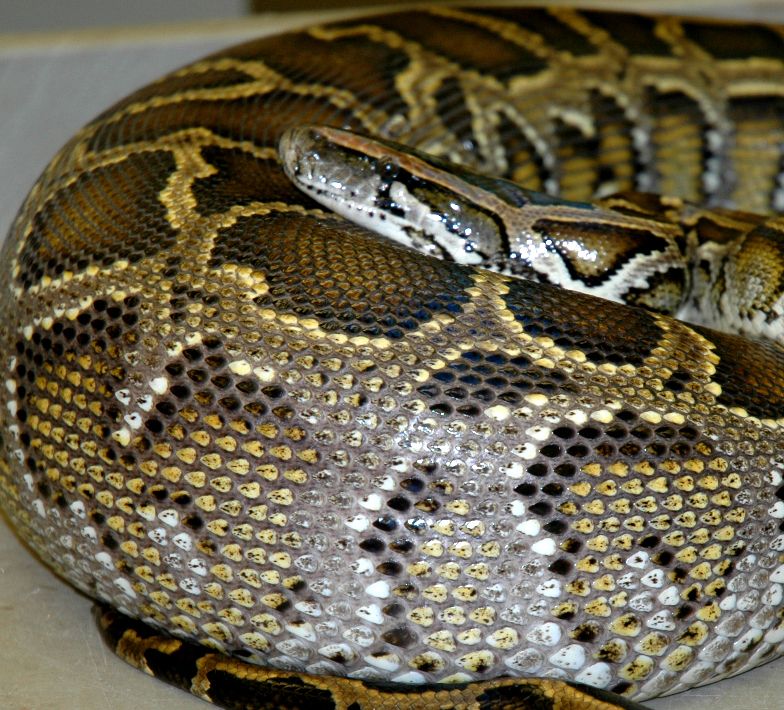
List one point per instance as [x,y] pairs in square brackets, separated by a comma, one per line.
[51,656]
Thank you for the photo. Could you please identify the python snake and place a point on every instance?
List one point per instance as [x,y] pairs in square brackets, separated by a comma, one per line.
[246,422]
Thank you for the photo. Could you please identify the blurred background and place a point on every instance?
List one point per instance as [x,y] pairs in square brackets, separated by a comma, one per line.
[44,15]
[41,15]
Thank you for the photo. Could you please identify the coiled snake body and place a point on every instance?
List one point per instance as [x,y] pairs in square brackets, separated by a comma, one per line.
[246,422]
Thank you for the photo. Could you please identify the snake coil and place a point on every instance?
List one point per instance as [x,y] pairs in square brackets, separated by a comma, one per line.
[239,419]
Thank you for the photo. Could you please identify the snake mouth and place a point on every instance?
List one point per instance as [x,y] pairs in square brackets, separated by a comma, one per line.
[291,149]
[323,163]
[316,155]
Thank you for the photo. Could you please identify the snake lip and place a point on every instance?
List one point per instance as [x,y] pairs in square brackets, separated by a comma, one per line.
[290,150]
[314,159]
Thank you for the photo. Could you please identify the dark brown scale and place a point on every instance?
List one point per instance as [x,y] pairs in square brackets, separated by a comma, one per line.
[744,386]
[331,62]
[173,85]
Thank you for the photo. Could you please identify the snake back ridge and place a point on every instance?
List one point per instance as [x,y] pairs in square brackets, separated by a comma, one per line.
[237,419]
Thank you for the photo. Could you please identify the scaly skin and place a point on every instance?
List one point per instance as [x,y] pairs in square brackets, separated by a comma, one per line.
[240,419]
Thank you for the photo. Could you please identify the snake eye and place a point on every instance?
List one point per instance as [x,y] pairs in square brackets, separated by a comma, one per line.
[388,170]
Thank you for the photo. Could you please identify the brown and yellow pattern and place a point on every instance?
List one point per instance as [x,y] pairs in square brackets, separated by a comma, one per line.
[240,420]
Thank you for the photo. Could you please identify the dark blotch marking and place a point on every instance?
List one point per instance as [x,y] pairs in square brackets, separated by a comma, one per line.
[571,545]
[622,335]
[372,544]
[662,558]
[541,508]
[627,243]
[526,489]
[486,377]
[239,119]
[170,85]
[561,566]
[621,687]
[334,62]
[586,632]
[684,612]
[386,523]
[193,521]
[609,697]
[663,294]
[231,691]
[389,568]
[401,545]
[327,269]
[427,505]
[107,214]
[750,373]
[615,137]
[556,527]
[399,636]
[242,178]
[454,112]
[399,503]
[635,32]
[468,45]
[413,485]
[394,609]
[558,35]
[736,40]
[523,157]
[178,667]
[527,695]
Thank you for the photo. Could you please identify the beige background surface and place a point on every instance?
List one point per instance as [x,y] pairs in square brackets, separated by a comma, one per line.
[50,654]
